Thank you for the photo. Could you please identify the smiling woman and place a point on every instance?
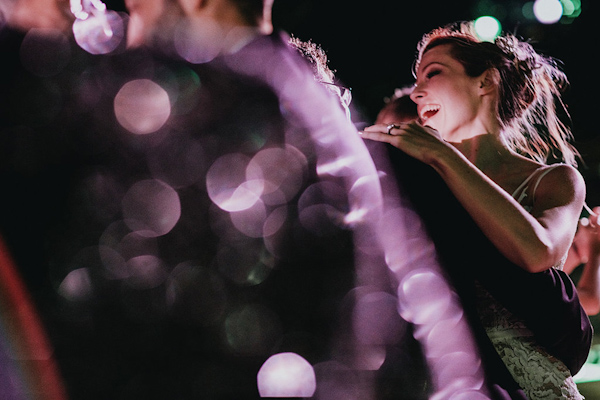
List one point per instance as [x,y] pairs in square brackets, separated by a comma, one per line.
[489,128]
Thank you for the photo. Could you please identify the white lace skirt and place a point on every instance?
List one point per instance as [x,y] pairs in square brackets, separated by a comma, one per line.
[539,374]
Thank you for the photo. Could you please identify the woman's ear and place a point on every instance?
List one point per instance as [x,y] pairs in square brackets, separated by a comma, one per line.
[489,80]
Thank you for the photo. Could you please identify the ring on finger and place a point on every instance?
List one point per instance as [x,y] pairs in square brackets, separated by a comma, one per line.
[390,127]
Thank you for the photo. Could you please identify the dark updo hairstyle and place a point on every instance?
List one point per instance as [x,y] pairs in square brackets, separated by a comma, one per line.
[529,88]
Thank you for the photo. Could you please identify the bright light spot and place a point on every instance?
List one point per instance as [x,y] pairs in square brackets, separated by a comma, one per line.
[355,216]
[77,285]
[459,365]
[283,171]
[571,8]
[337,166]
[151,208]
[424,296]
[548,11]
[487,28]
[568,7]
[365,196]
[99,34]
[286,375]
[142,106]
[227,185]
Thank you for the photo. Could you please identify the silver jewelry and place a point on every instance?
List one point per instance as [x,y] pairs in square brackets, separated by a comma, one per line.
[390,127]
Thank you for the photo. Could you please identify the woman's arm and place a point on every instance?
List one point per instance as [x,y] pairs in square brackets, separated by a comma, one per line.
[535,241]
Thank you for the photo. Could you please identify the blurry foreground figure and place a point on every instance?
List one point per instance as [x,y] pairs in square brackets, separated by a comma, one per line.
[191,215]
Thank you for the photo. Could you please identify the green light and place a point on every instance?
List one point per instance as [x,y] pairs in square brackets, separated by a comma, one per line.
[527,10]
[568,7]
[571,10]
[487,28]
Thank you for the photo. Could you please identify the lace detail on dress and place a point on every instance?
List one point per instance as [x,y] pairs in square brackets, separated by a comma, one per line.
[539,374]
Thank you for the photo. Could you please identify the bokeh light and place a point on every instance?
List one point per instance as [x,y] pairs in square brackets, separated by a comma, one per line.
[286,375]
[151,207]
[45,52]
[548,11]
[424,296]
[283,170]
[99,34]
[227,185]
[146,272]
[487,28]
[142,106]
[118,244]
[251,220]
[571,10]
[200,42]
[77,285]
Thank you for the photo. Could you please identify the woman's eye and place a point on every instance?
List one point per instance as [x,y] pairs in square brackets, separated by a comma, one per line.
[432,73]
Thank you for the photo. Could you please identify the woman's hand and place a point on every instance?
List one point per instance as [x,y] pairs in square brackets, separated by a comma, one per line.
[418,141]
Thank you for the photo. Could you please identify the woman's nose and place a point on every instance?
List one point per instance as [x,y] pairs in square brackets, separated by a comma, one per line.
[417,94]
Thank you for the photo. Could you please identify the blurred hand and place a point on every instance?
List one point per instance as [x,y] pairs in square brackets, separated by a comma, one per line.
[586,243]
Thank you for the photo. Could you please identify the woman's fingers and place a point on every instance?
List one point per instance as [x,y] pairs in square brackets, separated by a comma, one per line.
[376,135]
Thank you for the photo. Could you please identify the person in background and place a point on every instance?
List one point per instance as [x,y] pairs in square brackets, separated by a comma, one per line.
[475,99]
[398,108]
[585,252]
[38,14]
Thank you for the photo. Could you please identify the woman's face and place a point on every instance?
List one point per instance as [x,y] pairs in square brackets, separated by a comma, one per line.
[448,100]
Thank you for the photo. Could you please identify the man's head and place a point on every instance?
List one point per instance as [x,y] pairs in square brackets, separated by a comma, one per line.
[152,19]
